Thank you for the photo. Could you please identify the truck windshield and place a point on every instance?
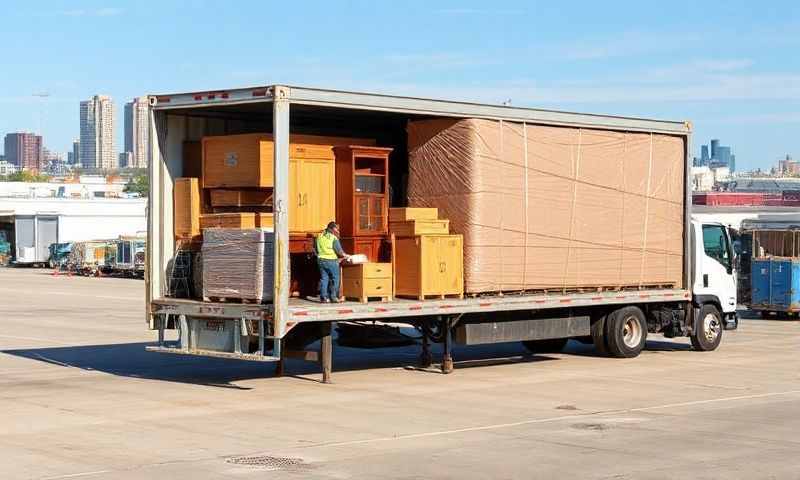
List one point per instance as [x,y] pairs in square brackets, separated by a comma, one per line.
[715,244]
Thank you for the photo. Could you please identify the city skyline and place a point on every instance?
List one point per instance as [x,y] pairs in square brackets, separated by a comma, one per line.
[735,78]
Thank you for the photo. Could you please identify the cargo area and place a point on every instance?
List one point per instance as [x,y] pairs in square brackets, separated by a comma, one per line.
[530,208]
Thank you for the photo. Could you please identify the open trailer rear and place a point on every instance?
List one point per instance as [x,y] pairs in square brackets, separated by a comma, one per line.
[573,225]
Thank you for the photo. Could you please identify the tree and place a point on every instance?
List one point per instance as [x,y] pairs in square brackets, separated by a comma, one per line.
[138,184]
[27,176]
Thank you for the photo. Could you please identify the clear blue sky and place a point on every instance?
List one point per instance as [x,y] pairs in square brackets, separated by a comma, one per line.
[732,68]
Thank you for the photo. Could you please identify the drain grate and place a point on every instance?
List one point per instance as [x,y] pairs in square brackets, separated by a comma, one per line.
[268,462]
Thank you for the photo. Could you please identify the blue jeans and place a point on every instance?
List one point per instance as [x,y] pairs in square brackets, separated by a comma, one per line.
[329,279]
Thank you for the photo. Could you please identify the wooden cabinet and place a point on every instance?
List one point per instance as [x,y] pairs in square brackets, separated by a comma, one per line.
[186,196]
[362,190]
[367,280]
[312,194]
[429,265]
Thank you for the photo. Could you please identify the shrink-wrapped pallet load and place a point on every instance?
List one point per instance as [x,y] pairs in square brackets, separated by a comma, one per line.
[238,264]
[544,207]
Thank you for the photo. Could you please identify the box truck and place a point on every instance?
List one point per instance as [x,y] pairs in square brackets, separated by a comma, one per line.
[573,225]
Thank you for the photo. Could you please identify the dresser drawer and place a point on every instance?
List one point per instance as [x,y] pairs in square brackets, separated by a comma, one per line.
[368,287]
[368,270]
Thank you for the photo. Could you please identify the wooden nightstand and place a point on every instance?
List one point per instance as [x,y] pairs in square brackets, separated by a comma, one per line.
[367,280]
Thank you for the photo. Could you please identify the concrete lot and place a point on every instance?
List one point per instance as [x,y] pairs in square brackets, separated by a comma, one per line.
[80,398]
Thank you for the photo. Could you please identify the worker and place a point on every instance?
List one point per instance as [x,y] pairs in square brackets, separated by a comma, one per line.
[329,253]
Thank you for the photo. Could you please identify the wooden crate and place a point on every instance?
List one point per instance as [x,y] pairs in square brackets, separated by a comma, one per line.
[367,280]
[405,214]
[186,196]
[429,266]
[240,198]
[242,220]
[412,228]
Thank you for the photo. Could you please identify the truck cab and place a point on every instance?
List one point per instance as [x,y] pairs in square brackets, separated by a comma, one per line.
[713,280]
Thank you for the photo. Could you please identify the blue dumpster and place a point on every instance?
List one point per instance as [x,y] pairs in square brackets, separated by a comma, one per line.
[776,284]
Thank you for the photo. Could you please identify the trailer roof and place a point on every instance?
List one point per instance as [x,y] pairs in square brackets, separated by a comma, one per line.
[411,105]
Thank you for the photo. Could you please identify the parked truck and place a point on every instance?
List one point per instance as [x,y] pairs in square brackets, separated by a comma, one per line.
[677,280]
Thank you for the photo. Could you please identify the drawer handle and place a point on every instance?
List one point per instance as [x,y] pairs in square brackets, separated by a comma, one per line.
[378,287]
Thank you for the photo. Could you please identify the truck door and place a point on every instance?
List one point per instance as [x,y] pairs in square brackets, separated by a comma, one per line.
[25,239]
[46,234]
[717,275]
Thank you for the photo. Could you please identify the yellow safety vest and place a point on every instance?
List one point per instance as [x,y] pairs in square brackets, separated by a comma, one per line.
[325,249]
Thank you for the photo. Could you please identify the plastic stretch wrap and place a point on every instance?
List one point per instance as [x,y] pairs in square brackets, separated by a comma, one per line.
[238,263]
[544,207]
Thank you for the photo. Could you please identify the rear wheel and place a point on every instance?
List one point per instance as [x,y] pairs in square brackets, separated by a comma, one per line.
[707,332]
[551,345]
[626,332]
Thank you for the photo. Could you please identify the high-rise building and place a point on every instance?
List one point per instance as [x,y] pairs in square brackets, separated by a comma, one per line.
[97,133]
[719,156]
[714,147]
[24,150]
[76,152]
[137,131]
[125,159]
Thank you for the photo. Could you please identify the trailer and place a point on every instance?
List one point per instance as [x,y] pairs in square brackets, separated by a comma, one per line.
[129,256]
[699,303]
[772,262]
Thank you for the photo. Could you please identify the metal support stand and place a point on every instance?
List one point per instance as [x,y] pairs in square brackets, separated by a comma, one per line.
[277,351]
[326,351]
[425,357]
[184,332]
[447,357]
[160,321]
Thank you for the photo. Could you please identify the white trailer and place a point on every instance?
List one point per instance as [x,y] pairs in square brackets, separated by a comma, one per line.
[39,222]
[617,321]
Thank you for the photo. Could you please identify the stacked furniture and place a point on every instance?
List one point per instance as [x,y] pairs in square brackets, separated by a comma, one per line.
[231,188]
[429,261]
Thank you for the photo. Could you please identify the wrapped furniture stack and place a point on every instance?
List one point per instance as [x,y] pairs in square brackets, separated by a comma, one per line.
[238,264]
[553,208]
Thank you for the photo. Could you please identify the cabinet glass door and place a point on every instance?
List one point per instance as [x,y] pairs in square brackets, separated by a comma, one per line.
[362,211]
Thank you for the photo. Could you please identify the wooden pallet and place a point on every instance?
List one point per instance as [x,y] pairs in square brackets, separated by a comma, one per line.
[432,297]
[249,301]
[386,298]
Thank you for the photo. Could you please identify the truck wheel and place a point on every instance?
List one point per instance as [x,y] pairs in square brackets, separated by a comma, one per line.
[626,332]
[551,345]
[707,332]
[599,335]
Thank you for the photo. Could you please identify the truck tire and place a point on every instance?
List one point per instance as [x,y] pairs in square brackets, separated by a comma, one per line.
[707,331]
[626,332]
[551,345]
[599,335]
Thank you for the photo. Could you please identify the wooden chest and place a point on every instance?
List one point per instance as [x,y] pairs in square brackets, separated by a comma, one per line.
[240,198]
[242,220]
[367,280]
[404,214]
[429,265]
[186,196]
[413,228]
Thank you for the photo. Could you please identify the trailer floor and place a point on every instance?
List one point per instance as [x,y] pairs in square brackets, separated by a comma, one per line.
[80,398]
